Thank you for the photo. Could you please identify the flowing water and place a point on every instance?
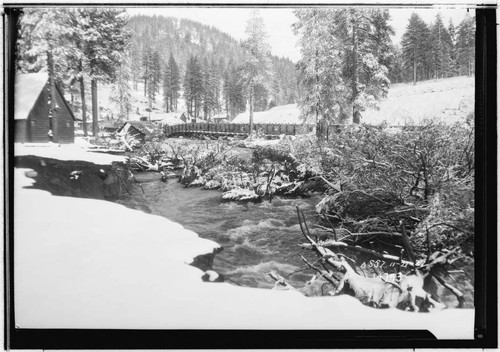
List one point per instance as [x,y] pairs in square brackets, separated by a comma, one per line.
[257,237]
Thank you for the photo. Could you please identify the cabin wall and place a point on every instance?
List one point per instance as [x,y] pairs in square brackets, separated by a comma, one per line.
[63,124]
[38,120]
[20,131]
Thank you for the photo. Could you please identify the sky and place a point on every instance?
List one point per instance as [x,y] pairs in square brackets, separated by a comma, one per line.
[278,22]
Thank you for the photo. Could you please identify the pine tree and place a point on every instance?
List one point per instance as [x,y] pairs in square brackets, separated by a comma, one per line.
[340,68]
[167,88]
[106,40]
[155,73]
[233,91]
[175,83]
[440,49]
[453,48]
[257,67]
[193,87]
[43,41]
[466,45]
[121,92]
[415,45]
[325,96]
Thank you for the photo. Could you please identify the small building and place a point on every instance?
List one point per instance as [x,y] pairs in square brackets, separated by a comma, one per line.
[135,129]
[31,111]
[110,126]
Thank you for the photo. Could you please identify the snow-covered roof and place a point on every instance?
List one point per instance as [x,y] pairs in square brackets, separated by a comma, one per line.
[27,89]
[168,118]
[143,127]
[279,114]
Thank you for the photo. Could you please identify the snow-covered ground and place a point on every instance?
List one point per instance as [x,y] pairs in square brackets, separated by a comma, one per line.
[449,100]
[279,114]
[83,263]
[77,151]
[139,106]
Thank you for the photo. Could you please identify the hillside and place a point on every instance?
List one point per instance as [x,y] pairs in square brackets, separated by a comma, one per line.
[185,38]
[449,99]
[279,114]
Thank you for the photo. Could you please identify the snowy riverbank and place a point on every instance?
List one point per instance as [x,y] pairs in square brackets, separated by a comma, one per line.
[84,263]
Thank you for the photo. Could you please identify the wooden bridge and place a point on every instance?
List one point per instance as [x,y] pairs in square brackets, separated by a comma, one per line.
[236,129]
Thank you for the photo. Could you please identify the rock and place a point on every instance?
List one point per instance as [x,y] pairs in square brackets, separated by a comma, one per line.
[212,276]
[31,174]
[212,184]
[240,194]
[200,181]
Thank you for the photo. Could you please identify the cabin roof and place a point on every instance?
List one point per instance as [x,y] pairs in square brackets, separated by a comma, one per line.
[139,125]
[27,89]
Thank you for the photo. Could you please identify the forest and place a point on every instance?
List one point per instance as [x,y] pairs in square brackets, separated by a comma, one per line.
[182,60]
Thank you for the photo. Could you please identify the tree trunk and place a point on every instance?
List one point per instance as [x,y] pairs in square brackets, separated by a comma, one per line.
[95,108]
[356,116]
[251,108]
[84,106]
[50,64]
[414,67]
[145,87]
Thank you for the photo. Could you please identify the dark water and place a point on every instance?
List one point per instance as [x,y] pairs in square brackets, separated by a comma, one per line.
[257,237]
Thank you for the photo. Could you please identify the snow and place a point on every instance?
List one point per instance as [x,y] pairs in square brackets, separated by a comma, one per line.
[83,263]
[171,118]
[449,100]
[279,114]
[77,151]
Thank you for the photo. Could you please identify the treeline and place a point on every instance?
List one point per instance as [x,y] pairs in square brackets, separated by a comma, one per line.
[435,50]
[179,55]
[349,60]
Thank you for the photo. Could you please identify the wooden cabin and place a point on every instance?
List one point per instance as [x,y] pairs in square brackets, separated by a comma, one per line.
[31,111]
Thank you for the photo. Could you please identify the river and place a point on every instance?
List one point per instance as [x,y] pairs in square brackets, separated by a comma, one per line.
[257,237]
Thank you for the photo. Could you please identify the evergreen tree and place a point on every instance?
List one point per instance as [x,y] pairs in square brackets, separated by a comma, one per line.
[106,40]
[466,45]
[121,93]
[171,84]
[193,87]
[155,73]
[325,96]
[175,83]
[415,45]
[43,40]
[453,48]
[440,49]
[257,67]
[167,90]
[340,67]
[233,91]
[261,97]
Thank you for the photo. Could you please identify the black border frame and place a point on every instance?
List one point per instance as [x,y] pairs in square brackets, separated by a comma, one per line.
[486,324]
